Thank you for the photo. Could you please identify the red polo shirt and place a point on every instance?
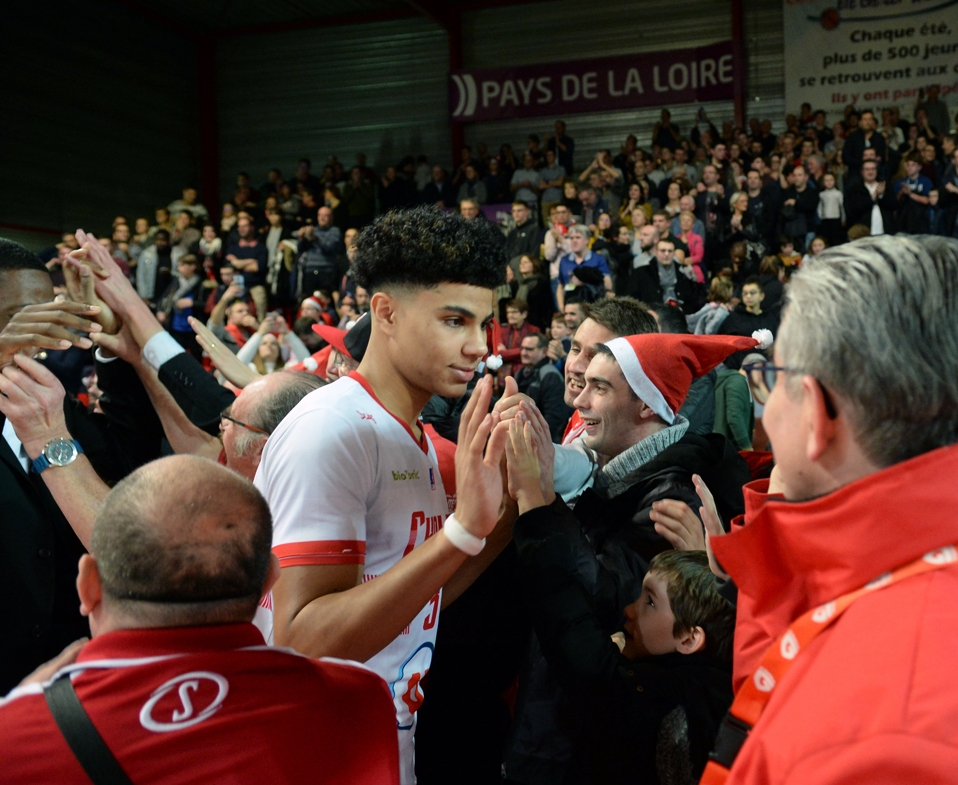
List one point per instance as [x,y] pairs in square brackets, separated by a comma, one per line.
[210,704]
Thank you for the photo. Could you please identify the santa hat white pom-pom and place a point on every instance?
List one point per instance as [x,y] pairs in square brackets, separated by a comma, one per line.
[494,361]
[764,338]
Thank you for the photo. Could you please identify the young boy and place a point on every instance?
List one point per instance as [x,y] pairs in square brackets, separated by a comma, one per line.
[786,251]
[651,699]
[352,480]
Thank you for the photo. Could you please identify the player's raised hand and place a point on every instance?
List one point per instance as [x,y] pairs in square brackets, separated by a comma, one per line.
[478,476]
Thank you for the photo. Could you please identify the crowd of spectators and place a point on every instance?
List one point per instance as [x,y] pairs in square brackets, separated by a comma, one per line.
[210,325]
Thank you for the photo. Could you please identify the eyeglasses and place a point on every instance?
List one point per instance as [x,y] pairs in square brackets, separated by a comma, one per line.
[225,415]
[770,372]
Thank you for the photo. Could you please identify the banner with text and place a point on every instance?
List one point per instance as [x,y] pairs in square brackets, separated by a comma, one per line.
[872,53]
[678,76]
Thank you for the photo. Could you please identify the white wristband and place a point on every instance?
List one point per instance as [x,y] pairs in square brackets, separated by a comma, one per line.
[456,534]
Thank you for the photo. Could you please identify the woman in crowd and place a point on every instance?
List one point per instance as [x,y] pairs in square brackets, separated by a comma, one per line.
[532,286]
[673,195]
[695,242]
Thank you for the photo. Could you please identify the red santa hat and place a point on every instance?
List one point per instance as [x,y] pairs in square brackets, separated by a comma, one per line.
[660,367]
[493,339]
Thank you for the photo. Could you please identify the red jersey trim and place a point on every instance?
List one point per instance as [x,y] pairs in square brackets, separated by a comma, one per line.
[317,552]
[422,442]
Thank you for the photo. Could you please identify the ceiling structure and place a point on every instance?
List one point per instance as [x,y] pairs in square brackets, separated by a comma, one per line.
[221,18]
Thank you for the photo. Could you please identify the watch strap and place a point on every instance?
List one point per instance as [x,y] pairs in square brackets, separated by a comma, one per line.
[41,462]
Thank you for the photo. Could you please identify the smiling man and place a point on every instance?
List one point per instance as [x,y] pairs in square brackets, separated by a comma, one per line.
[352,480]
[863,419]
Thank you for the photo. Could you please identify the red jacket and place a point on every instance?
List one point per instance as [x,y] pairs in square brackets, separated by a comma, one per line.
[874,698]
[210,704]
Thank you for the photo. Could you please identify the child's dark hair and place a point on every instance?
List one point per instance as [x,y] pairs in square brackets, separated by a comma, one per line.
[695,601]
[425,247]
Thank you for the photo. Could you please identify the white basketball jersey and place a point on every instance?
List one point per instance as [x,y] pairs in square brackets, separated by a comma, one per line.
[348,483]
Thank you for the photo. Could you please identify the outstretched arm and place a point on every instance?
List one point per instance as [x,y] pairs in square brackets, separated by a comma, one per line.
[31,398]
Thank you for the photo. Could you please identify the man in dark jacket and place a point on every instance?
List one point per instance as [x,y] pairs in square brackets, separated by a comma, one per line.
[664,280]
[320,255]
[864,195]
[864,137]
[633,388]
[799,206]
[39,550]
[523,240]
[541,381]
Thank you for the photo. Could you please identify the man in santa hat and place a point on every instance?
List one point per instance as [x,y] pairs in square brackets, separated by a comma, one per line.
[633,389]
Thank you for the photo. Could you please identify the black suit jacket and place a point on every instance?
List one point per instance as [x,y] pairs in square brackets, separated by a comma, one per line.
[196,392]
[859,203]
[38,550]
[644,285]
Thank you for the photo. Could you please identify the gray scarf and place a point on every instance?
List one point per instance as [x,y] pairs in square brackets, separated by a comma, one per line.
[614,478]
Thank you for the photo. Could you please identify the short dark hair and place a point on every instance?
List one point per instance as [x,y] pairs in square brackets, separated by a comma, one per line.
[753,279]
[181,579]
[520,305]
[671,319]
[14,256]
[695,601]
[424,247]
[163,232]
[304,324]
[542,340]
[622,316]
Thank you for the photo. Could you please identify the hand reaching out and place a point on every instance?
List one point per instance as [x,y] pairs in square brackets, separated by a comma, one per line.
[47,326]
[225,361]
[81,288]
[522,463]
[31,397]
[675,521]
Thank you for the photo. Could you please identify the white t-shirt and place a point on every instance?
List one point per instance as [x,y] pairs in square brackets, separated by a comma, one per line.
[348,483]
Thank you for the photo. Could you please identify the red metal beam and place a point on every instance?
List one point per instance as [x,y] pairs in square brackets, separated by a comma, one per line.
[738,55]
[31,229]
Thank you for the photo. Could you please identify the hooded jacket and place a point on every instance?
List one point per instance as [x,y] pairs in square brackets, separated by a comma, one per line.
[872,698]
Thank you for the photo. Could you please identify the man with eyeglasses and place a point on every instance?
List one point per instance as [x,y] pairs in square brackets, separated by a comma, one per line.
[846,561]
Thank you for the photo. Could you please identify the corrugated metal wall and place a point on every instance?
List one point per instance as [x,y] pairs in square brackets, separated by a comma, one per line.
[765,61]
[98,115]
[377,88]
[570,30]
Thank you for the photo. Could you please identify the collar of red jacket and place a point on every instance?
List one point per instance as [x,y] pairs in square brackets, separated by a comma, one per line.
[127,644]
[835,544]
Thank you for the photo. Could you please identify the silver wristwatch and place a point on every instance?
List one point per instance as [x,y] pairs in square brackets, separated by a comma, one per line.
[59,452]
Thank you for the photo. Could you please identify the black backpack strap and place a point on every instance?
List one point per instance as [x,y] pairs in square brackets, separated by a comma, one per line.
[82,736]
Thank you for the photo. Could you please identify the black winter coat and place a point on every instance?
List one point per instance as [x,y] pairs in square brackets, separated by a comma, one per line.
[637,715]
[613,540]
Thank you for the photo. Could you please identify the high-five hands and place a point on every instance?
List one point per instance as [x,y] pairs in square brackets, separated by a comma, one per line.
[478,477]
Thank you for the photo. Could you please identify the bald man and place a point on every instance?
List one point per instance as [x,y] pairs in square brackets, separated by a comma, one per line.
[176,679]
